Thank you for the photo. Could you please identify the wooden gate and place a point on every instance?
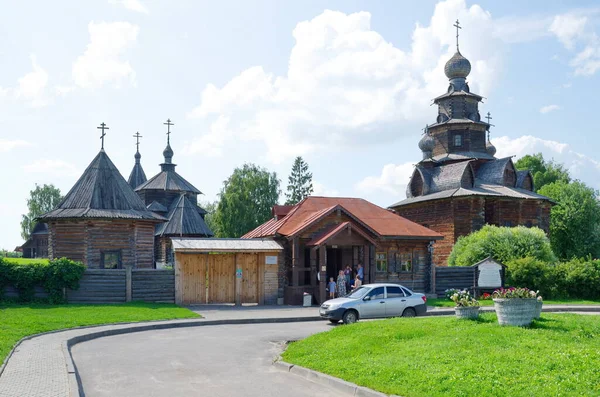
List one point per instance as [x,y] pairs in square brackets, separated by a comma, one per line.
[249,265]
[191,278]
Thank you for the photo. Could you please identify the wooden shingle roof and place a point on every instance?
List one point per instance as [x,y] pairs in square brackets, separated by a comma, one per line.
[137,176]
[101,192]
[184,219]
[168,180]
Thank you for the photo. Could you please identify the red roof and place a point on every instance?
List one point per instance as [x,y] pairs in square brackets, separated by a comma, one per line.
[334,231]
[373,217]
[279,211]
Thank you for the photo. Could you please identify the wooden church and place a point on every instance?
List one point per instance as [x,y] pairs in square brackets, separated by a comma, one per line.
[104,223]
[459,185]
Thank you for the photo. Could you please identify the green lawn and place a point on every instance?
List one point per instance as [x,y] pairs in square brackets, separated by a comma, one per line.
[432,356]
[441,302]
[17,321]
[24,260]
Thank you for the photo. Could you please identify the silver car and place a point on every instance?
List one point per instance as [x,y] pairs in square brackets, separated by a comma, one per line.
[374,301]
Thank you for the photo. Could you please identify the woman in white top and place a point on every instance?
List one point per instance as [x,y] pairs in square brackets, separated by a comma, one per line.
[357,282]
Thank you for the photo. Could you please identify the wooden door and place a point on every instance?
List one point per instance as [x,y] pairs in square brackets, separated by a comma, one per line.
[192,278]
[249,265]
[221,278]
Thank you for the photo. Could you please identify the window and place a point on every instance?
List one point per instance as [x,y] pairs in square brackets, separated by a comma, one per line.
[406,262]
[110,260]
[381,261]
[406,292]
[508,223]
[376,293]
[458,140]
[394,292]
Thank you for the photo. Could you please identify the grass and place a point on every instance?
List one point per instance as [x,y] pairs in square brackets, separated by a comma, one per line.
[557,355]
[18,321]
[21,261]
[441,302]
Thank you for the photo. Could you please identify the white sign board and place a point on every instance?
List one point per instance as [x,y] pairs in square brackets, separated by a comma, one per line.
[270,260]
[489,275]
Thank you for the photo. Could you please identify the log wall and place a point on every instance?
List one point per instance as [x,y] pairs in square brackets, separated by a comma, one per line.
[453,277]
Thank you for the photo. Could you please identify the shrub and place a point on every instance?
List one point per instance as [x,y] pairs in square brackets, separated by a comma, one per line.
[536,274]
[464,299]
[62,273]
[504,244]
[53,276]
[578,278]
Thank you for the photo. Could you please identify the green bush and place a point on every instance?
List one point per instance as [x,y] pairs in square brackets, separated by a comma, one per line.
[53,276]
[535,274]
[578,278]
[504,244]
[62,273]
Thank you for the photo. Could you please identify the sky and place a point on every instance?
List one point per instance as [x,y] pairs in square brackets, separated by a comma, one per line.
[345,84]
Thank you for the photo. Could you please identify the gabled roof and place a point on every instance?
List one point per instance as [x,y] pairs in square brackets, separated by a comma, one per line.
[492,172]
[155,206]
[521,176]
[197,245]
[40,228]
[334,230]
[101,192]
[168,180]
[380,221]
[183,219]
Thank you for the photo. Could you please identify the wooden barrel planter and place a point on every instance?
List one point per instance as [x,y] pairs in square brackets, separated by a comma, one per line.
[470,312]
[515,311]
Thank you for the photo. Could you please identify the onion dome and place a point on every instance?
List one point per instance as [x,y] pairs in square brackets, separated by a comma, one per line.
[457,67]
[168,153]
[137,156]
[489,148]
[427,143]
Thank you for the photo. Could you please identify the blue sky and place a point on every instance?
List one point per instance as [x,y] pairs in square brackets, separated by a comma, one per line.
[346,84]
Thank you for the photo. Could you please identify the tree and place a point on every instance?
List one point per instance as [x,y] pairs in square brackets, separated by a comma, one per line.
[504,244]
[246,200]
[209,217]
[299,182]
[544,172]
[574,220]
[42,199]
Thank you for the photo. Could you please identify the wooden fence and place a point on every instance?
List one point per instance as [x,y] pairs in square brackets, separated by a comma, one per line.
[117,286]
[453,277]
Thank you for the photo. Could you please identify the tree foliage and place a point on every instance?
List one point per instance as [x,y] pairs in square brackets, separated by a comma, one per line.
[575,219]
[42,199]
[246,200]
[299,182]
[211,209]
[504,244]
[544,172]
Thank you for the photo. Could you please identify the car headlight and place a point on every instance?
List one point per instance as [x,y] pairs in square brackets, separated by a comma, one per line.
[334,306]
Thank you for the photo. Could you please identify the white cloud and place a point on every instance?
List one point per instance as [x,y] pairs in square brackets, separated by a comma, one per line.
[63,90]
[101,62]
[31,87]
[320,189]
[549,108]
[345,81]
[52,167]
[579,165]
[568,28]
[133,5]
[211,143]
[392,180]
[7,145]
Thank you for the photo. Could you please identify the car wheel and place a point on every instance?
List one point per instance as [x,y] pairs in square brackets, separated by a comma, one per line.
[409,312]
[350,317]
[334,321]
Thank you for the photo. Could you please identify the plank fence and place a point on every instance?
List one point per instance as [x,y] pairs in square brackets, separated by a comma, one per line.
[116,286]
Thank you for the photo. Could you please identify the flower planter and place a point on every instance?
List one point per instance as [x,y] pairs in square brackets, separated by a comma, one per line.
[538,309]
[470,312]
[515,311]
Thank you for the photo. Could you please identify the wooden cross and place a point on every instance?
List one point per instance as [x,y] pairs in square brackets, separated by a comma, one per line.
[457,26]
[102,127]
[137,137]
[488,117]
[426,129]
[168,124]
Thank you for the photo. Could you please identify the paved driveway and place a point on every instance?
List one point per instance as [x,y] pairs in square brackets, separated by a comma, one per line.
[228,360]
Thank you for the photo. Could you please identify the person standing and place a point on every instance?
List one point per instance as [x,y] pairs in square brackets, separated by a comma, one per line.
[341,284]
[332,286]
[348,275]
[361,272]
[357,282]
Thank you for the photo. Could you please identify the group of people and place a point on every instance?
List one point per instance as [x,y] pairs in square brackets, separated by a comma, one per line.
[347,280]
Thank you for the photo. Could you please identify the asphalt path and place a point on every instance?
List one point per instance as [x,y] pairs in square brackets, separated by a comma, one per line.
[224,360]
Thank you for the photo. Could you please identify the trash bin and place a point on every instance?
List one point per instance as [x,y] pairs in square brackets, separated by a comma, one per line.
[307,300]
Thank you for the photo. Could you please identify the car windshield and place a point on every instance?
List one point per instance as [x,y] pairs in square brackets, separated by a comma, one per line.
[358,293]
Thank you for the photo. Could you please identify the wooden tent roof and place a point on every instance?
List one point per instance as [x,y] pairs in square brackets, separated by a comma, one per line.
[184,219]
[374,218]
[137,176]
[101,192]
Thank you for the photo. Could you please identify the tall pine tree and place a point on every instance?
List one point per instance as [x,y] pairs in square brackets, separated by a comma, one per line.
[299,182]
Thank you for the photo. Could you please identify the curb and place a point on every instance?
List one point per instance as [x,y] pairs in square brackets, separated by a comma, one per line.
[328,380]
[553,309]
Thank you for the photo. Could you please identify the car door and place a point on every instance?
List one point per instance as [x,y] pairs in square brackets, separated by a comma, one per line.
[373,304]
[395,301]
